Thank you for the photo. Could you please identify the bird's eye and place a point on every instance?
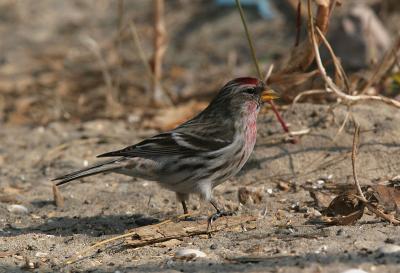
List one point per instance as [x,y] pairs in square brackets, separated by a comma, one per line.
[249,90]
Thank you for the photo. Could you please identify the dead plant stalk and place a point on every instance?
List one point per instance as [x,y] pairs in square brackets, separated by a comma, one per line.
[347,99]
[360,196]
[160,46]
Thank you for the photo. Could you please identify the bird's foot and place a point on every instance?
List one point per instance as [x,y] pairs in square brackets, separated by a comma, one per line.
[190,218]
[218,214]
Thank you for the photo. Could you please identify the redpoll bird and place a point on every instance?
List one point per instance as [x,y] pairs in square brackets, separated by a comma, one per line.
[199,154]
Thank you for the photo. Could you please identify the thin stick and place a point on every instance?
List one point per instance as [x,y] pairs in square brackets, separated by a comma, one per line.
[356,137]
[338,67]
[249,39]
[101,243]
[346,118]
[269,72]
[307,93]
[253,55]
[360,196]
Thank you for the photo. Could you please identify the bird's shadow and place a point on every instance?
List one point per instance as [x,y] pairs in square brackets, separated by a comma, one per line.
[94,226]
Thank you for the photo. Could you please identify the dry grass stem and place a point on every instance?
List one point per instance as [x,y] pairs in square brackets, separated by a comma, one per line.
[348,99]
[139,49]
[360,196]
[249,39]
[356,138]
[346,119]
[308,93]
[160,46]
[386,64]
[257,66]
[339,71]
[142,55]
[298,23]
[112,94]
[269,72]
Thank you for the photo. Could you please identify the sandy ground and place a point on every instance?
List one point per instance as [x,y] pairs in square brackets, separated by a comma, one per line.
[107,205]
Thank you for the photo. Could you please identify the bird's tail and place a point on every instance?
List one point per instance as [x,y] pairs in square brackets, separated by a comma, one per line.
[102,167]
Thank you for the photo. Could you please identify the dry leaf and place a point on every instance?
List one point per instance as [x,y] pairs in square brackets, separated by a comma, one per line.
[344,204]
[321,199]
[345,209]
[284,186]
[388,197]
[248,195]
[346,220]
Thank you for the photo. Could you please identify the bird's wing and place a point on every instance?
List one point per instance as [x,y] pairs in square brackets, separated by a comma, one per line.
[177,142]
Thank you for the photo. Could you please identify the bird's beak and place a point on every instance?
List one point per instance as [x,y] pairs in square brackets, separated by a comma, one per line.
[268,95]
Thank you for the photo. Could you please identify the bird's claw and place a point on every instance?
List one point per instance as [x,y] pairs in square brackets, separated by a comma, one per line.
[190,218]
[217,215]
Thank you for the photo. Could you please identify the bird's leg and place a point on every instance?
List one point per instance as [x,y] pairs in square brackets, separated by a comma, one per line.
[219,213]
[183,198]
[185,209]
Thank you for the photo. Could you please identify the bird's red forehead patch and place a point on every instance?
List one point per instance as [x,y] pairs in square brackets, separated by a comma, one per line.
[247,80]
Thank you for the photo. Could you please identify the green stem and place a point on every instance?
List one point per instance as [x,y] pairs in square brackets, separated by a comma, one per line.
[249,39]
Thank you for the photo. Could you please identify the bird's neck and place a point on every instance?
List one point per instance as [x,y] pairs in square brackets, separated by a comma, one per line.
[249,118]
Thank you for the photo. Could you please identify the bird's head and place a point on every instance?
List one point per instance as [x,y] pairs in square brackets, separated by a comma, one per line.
[242,94]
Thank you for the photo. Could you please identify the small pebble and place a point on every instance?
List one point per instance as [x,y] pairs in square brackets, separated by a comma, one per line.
[189,254]
[320,182]
[321,249]
[389,249]
[354,270]
[311,212]
[41,254]
[17,209]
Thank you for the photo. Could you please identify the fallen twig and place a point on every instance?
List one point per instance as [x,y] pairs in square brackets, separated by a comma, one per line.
[79,255]
[177,230]
[168,230]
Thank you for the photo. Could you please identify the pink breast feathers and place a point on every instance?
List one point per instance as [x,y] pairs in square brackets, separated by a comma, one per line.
[251,127]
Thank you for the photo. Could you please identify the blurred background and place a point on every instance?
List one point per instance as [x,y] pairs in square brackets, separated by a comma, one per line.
[156,63]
